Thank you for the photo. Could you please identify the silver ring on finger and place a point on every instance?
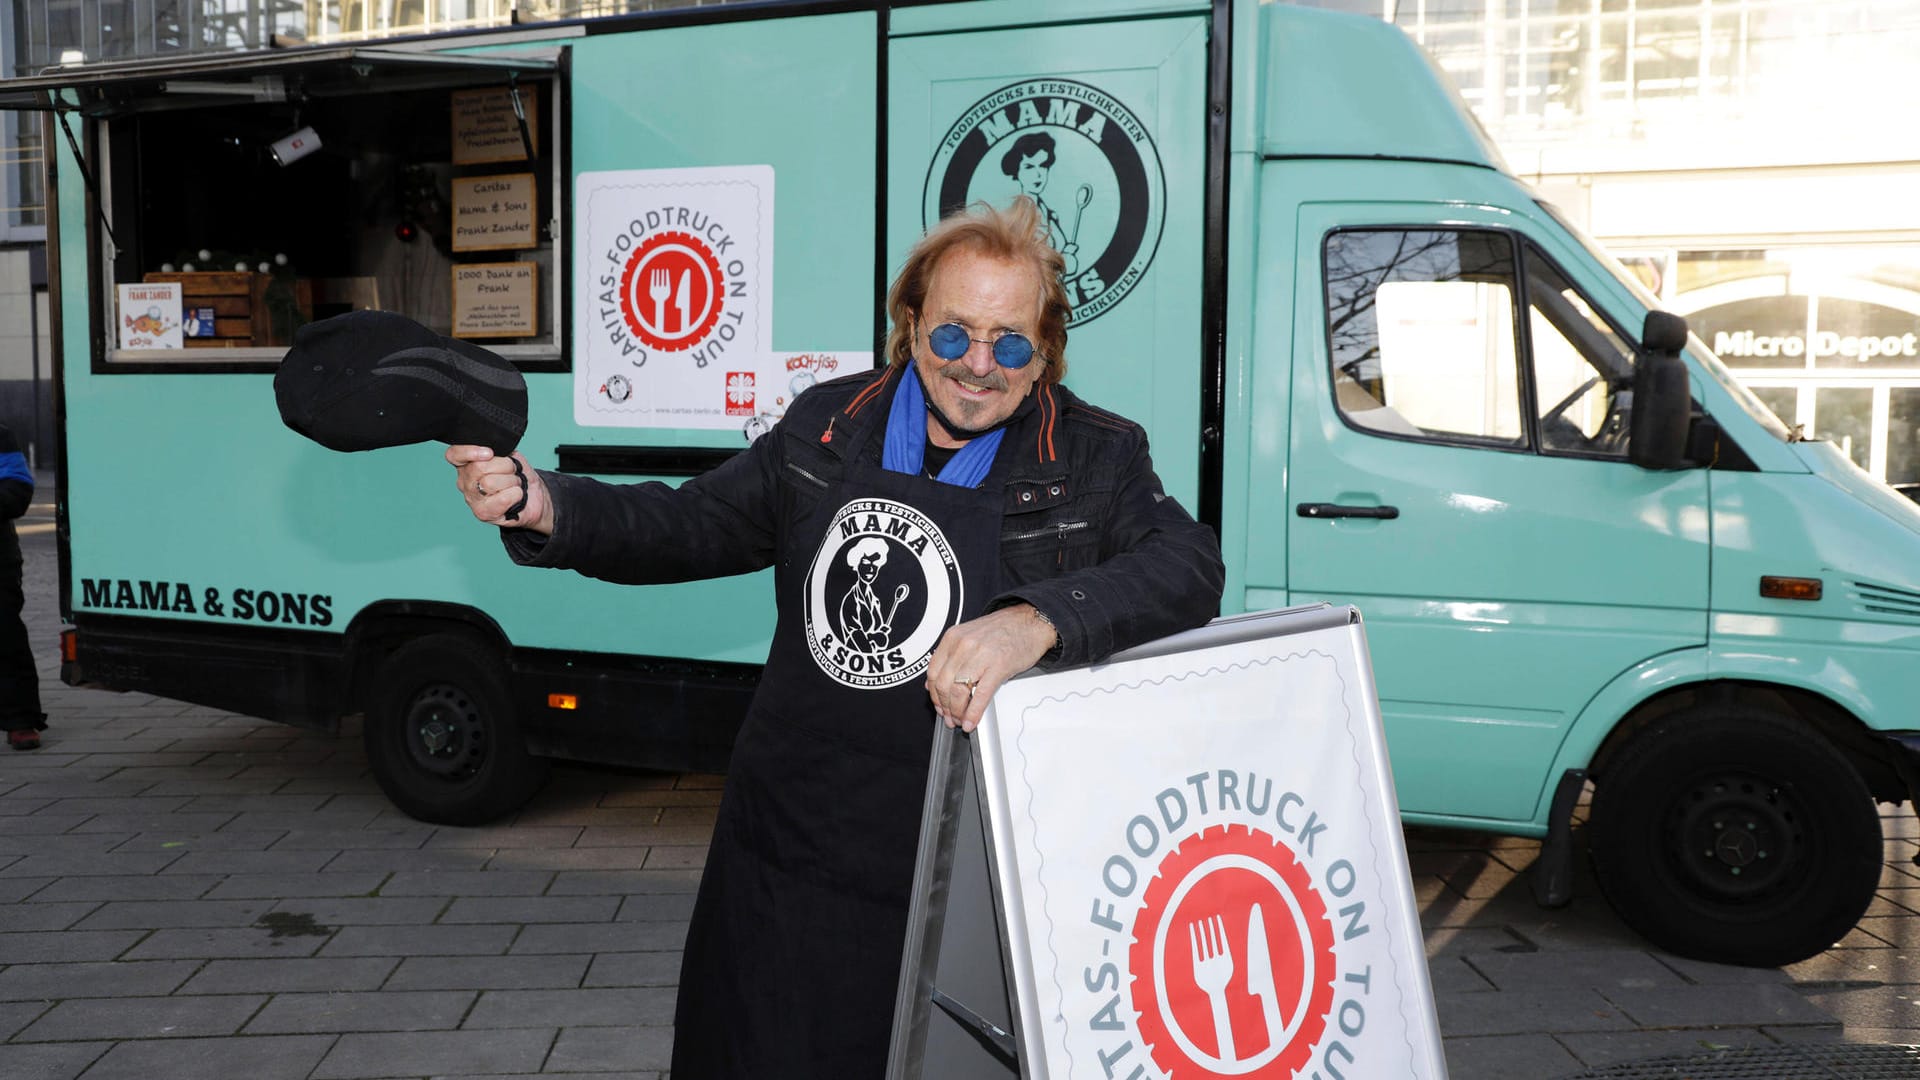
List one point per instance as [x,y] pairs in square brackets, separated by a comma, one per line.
[478,489]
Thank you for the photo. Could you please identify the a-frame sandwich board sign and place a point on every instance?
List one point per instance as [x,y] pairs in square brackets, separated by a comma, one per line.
[1183,863]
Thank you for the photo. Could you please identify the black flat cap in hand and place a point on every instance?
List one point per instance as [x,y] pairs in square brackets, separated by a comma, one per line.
[368,379]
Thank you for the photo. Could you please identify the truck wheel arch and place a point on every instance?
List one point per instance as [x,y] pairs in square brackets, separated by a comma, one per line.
[379,628]
[1675,680]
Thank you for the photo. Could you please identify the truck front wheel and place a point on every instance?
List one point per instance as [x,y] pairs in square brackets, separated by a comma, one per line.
[440,733]
[1735,835]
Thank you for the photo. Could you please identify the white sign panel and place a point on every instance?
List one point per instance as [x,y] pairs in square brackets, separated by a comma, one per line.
[673,296]
[150,315]
[1207,873]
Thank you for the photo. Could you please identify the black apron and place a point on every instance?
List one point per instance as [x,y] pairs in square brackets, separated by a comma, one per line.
[793,955]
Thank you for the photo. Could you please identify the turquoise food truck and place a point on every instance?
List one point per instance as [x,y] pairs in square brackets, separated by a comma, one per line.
[1366,354]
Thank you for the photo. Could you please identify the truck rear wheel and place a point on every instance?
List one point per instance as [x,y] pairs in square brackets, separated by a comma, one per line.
[1736,836]
[441,737]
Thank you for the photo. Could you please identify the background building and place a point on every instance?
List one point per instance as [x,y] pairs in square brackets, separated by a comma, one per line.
[1748,158]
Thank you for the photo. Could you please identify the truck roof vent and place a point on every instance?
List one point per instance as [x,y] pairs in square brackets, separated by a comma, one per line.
[1886,600]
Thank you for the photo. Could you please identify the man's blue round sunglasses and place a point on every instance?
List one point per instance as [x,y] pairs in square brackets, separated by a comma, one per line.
[950,341]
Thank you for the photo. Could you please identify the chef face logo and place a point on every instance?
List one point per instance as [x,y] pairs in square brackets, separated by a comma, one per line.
[1232,959]
[1087,162]
[882,589]
[672,290]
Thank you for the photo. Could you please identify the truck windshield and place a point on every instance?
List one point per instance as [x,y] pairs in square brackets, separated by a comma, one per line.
[1709,363]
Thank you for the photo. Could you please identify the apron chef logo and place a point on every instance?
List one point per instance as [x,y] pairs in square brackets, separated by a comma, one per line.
[1084,158]
[883,587]
[1232,960]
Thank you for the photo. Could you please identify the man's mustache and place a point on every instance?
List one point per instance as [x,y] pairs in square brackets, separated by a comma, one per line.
[957,371]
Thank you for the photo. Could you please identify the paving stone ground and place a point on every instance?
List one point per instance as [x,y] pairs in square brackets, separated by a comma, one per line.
[189,894]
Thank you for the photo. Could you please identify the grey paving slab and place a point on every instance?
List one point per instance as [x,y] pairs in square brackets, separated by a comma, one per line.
[134,763]
[1718,1006]
[63,1061]
[648,836]
[86,864]
[506,836]
[600,937]
[676,858]
[367,911]
[1521,1014]
[583,1007]
[590,1049]
[1870,1006]
[421,941]
[1508,1057]
[505,973]
[656,907]
[605,858]
[125,888]
[14,890]
[466,883]
[55,981]
[1619,1047]
[532,909]
[48,916]
[279,886]
[75,785]
[690,815]
[634,969]
[154,915]
[420,860]
[174,840]
[319,820]
[255,804]
[260,863]
[182,823]
[370,1056]
[353,839]
[625,882]
[214,944]
[1453,975]
[271,1057]
[67,945]
[384,1010]
[1593,968]
[210,786]
[142,1018]
[291,975]
[15,1015]
[67,843]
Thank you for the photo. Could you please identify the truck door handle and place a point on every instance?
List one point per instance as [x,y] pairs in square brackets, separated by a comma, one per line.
[1335,510]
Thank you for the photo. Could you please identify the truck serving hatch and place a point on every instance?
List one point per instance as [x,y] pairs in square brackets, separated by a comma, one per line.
[102,90]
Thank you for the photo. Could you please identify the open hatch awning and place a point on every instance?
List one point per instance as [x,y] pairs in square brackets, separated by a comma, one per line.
[106,89]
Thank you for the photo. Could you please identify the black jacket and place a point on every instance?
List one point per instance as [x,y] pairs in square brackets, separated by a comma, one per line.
[1089,537]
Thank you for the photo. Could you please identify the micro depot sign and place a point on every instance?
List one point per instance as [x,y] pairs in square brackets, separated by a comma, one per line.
[1826,343]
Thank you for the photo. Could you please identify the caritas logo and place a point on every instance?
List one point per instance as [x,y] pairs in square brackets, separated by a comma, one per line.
[1232,957]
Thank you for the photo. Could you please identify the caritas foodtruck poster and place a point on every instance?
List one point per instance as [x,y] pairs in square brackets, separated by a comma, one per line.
[1210,879]
[673,297]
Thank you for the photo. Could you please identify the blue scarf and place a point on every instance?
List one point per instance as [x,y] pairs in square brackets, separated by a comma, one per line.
[906,445]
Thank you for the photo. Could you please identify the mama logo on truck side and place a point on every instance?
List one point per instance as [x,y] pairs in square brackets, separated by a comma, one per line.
[1084,158]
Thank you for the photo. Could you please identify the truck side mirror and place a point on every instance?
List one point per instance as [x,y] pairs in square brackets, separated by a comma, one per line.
[1662,399]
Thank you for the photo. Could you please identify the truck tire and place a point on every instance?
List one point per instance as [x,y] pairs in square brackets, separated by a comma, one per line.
[1735,835]
[441,736]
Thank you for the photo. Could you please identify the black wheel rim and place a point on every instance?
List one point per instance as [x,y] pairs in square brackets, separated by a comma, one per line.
[1736,837]
[445,733]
